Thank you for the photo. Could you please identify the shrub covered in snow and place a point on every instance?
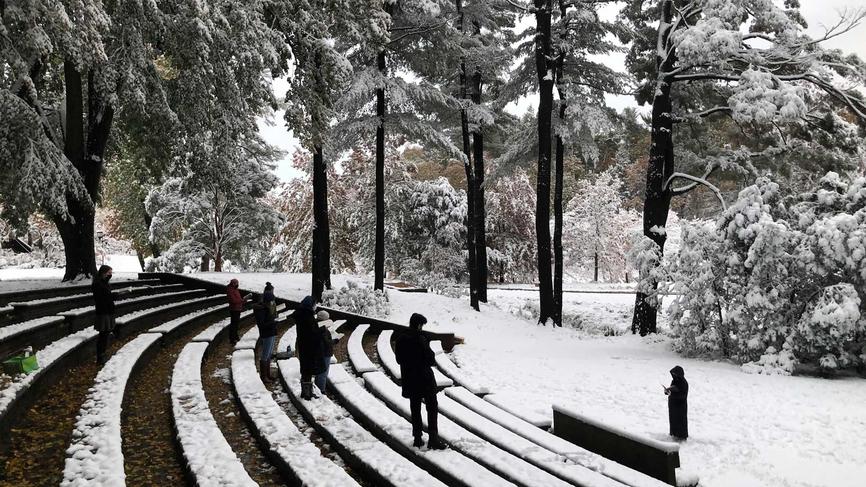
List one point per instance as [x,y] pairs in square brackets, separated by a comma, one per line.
[357,299]
[776,280]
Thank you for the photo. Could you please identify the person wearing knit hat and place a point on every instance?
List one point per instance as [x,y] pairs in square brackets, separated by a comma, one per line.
[416,361]
[323,319]
[265,312]
[236,306]
[308,345]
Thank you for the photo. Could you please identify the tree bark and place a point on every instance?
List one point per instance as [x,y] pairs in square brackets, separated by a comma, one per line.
[595,268]
[154,248]
[379,256]
[321,229]
[661,165]
[205,263]
[218,261]
[480,213]
[544,73]
[472,261]
[557,220]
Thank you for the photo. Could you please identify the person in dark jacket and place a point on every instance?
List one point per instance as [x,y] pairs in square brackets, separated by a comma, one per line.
[236,306]
[103,301]
[678,408]
[308,345]
[265,312]
[323,320]
[416,360]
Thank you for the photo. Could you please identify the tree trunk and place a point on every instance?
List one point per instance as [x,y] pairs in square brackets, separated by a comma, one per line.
[557,221]
[661,165]
[472,249]
[140,259]
[544,73]
[218,261]
[321,229]
[480,213]
[154,248]
[205,263]
[595,268]
[379,256]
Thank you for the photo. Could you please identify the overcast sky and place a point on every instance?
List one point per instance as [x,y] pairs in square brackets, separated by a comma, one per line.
[818,13]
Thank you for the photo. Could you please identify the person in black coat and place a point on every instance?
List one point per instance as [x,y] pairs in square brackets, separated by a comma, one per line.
[416,360]
[265,313]
[103,301]
[321,379]
[678,407]
[308,345]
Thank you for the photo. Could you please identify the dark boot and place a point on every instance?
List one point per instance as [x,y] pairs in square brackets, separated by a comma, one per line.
[265,371]
[306,390]
[418,443]
[434,443]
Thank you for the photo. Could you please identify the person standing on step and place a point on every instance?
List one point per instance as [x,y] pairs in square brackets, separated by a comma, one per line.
[265,312]
[416,360]
[678,407]
[323,320]
[103,301]
[308,345]
[236,306]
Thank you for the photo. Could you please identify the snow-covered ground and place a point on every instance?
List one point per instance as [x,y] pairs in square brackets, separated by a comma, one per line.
[746,430]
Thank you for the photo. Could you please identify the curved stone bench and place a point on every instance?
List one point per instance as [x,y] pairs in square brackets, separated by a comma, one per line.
[509,466]
[291,451]
[208,455]
[535,419]
[95,456]
[357,356]
[58,291]
[389,360]
[449,466]
[357,445]
[550,442]
[79,318]
[448,368]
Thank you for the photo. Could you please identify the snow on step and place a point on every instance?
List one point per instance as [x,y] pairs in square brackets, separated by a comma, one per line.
[46,358]
[37,302]
[454,372]
[393,468]
[666,446]
[552,442]
[86,309]
[9,331]
[156,309]
[283,438]
[533,418]
[95,456]
[357,355]
[170,326]
[389,360]
[208,455]
[210,333]
[400,430]
[509,466]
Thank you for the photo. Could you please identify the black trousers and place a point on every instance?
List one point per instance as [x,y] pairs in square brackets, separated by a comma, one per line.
[233,326]
[432,415]
[102,346]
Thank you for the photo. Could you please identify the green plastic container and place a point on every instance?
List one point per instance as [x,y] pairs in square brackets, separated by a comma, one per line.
[20,364]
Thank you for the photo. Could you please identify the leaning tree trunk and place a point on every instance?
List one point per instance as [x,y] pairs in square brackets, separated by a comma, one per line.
[480,213]
[321,238]
[543,67]
[660,168]
[472,262]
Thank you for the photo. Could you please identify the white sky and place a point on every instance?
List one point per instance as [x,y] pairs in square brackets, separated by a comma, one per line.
[818,13]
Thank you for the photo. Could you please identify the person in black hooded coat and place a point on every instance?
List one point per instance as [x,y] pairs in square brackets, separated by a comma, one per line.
[416,361]
[678,407]
[308,345]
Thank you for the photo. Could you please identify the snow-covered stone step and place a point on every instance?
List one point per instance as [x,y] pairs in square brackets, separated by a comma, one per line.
[355,443]
[533,418]
[450,466]
[208,455]
[95,456]
[389,360]
[550,442]
[294,454]
[16,336]
[213,331]
[171,326]
[506,464]
[58,291]
[451,370]
[156,310]
[46,358]
[357,356]
[43,301]
[126,303]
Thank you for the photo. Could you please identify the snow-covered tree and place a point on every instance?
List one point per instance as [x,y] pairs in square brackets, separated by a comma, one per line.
[777,280]
[511,228]
[597,228]
[748,60]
